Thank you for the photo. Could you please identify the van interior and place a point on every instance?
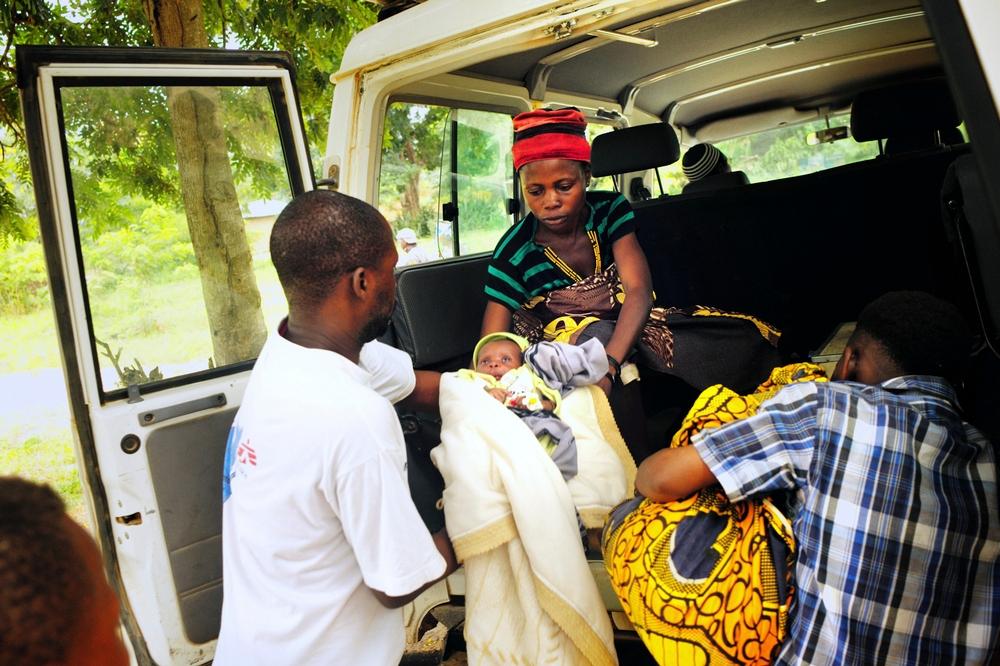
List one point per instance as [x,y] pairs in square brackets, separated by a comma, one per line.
[803,247]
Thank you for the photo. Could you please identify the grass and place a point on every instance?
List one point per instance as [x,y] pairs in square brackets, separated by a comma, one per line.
[161,323]
[46,458]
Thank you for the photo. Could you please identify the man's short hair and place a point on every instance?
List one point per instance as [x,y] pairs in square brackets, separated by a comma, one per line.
[322,235]
[44,587]
[922,334]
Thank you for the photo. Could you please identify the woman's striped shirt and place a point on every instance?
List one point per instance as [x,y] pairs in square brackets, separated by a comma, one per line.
[519,270]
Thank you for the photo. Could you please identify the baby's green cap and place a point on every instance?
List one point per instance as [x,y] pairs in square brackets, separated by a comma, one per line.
[502,335]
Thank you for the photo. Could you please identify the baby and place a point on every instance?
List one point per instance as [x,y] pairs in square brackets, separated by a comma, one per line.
[533,389]
[515,384]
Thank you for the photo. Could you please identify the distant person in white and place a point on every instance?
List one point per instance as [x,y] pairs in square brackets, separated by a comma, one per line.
[409,252]
[321,542]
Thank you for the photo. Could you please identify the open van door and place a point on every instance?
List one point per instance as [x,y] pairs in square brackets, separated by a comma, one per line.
[157,175]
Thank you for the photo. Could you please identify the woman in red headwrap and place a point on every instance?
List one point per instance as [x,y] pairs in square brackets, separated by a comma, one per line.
[572,267]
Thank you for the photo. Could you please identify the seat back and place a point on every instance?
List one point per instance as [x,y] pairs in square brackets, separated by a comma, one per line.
[804,253]
[717,181]
[634,149]
[439,309]
[975,241]
[909,116]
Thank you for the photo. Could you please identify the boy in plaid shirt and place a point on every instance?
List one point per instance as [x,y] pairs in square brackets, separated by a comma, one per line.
[897,529]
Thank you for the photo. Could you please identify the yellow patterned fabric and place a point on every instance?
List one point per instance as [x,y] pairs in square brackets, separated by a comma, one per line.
[768,332]
[704,580]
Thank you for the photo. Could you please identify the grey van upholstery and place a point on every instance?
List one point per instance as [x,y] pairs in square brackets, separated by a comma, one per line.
[185,463]
[634,149]
[439,309]
[909,116]
[717,181]
[975,242]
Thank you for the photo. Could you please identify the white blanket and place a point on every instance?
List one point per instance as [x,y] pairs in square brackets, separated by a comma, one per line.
[530,597]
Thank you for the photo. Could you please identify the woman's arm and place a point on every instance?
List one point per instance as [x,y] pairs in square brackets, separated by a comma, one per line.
[634,272]
[497,318]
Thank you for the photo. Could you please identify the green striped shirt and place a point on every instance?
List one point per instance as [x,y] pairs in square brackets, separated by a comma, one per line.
[519,270]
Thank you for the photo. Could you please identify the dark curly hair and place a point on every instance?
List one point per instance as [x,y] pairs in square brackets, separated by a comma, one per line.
[920,333]
[320,236]
[43,585]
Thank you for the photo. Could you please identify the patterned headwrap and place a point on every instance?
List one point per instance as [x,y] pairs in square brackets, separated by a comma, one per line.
[701,160]
[545,135]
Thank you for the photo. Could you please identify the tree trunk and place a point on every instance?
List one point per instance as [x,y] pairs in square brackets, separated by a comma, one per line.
[410,200]
[218,234]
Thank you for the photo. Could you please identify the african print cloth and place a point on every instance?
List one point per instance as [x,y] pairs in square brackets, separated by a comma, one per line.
[701,345]
[703,580]
[896,524]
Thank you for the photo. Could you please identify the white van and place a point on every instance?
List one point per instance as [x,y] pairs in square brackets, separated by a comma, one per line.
[905,199]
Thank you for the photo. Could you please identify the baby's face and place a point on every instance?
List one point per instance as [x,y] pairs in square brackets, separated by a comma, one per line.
[499,356]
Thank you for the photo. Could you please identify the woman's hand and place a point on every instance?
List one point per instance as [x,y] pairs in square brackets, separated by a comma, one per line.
[605,384]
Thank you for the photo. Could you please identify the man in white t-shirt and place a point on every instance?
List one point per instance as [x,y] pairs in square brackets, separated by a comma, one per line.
[321,542]
[409,252]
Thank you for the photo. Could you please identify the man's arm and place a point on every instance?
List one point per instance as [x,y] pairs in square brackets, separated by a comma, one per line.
[443,544]
[424,397]
[770,450]
[671,474]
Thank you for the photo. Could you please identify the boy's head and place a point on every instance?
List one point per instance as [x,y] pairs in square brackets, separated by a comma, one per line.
[55,604]
[497,353]
[906,333]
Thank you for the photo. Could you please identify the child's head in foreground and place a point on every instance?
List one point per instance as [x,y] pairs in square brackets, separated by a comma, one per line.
[497,353]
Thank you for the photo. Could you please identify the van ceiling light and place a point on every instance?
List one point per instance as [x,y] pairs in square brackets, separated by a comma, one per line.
[782,43]
[622,37]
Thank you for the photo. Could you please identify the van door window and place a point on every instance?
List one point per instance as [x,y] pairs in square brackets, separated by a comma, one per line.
[447,176]
[174,234]
[795,150]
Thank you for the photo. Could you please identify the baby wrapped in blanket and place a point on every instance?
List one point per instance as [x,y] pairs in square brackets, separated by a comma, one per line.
[530,380]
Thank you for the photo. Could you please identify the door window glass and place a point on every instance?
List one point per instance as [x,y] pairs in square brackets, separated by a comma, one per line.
[796,150]
[175,190]
[446,179]
[485,178]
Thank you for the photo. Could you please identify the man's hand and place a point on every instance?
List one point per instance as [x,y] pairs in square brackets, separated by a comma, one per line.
[443,543]
[671,474]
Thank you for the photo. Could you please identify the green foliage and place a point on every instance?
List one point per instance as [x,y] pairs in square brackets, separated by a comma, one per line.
[46,458]
[24,287]
[155,248]
[482,208]
[314,32]
[785,152]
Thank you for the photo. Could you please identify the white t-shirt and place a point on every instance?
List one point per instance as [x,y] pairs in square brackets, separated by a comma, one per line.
[416,255]
[317,510]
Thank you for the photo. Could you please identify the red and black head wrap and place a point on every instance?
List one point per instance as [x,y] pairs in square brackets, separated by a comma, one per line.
[546,135]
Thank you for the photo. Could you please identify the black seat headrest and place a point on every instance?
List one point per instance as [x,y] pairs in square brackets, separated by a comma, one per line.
[902,110]
[717,181]
[634,149]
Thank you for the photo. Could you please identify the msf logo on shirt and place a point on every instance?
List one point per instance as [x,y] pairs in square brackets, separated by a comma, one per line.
[240,455]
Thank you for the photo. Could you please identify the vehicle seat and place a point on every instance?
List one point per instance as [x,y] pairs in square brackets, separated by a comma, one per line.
[975,241]
[634,149]
[717,181]
[910,117]
[439,307]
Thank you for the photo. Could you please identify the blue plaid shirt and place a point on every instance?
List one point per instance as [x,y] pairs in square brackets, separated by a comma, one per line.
[897,530]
